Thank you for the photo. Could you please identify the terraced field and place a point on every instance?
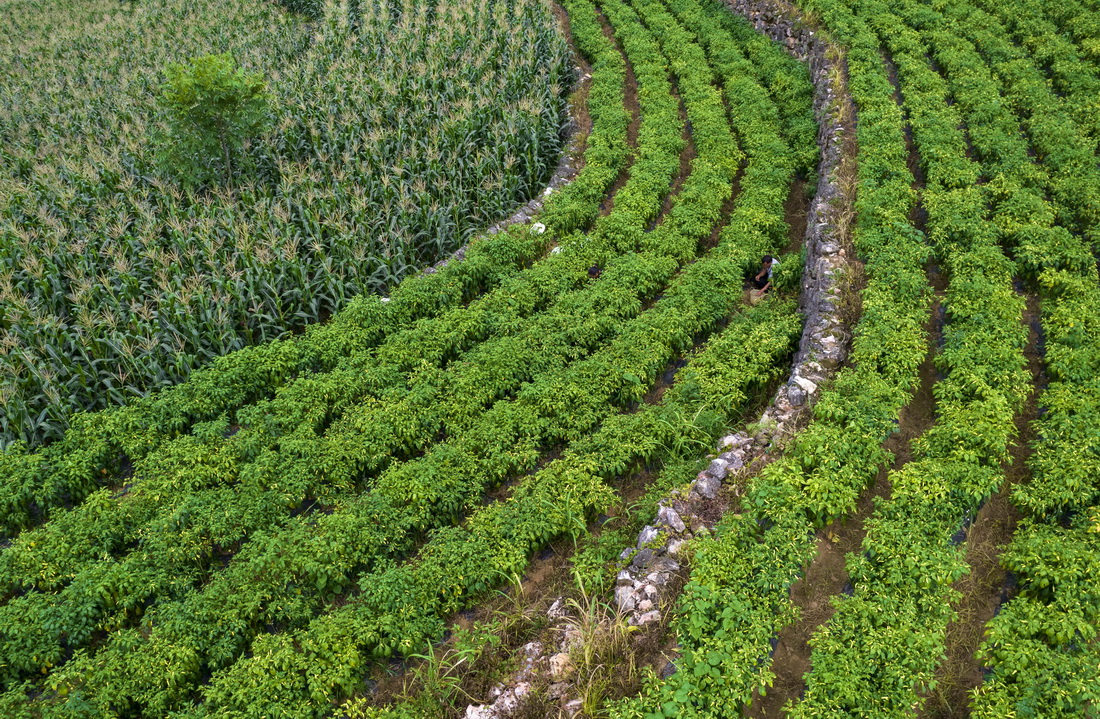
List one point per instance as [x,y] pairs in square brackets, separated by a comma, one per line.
[302,519]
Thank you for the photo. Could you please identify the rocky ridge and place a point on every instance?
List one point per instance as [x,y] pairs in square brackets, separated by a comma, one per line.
[644,585]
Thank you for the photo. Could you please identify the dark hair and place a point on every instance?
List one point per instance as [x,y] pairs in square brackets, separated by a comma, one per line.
[767,258]
[594,271]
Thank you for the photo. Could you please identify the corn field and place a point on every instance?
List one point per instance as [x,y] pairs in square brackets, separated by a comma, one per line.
[402,128]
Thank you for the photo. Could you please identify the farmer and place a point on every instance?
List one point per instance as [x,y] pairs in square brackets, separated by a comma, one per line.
[763,279]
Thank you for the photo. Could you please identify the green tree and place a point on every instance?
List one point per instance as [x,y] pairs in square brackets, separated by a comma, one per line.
[212,108]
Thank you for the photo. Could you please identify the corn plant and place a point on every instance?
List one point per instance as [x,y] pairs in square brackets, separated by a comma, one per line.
[399,131]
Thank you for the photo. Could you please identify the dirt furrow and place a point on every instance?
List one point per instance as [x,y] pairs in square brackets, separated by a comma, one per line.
[827,575]
[630,101]
[984,588]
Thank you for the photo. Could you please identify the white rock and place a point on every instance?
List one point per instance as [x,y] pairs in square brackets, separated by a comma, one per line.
[671,518]
[556,250]
[649,617]
[647,535]
[658,578]
[538,228]
[734,460]
[707,487]
[718,468]
[561,666]
[645,606]
[557,610]
[807,386]
[625,598]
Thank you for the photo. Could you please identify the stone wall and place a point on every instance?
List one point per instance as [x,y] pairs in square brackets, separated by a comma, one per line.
[825,337]
[643,586]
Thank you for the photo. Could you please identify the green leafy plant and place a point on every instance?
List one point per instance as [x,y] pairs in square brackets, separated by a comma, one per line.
[213,108]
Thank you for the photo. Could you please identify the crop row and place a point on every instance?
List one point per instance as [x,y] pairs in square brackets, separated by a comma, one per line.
[244,483]
[301,411]
[1081,21]
[786,80]
[1057,141]
[1038,646]
[893,626]
[90,452]
[737,599]
[300,673]
[117,281]
[499,444]
[1075,80]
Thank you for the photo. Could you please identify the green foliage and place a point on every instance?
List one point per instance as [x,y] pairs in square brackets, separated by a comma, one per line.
[739,597]
[547,359]
[212,108]
[399,131]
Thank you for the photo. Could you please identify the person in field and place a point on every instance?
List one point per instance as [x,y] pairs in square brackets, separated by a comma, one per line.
[763,279]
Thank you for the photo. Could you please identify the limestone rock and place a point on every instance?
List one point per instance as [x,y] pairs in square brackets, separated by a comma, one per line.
[651,617]
[807,386]
[671,518]
[647,536]
[718,469]
[644,558]
[532,651]
[557,610]
[707,487]
[625,598]
[561,666]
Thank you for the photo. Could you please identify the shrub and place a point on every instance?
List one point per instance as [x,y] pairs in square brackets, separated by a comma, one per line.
[212,108]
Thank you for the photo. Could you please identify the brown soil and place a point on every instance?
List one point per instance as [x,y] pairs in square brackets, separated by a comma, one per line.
[630,102]
[795,212]
[827,575]
[986,538]
[686,156]
[578,101]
